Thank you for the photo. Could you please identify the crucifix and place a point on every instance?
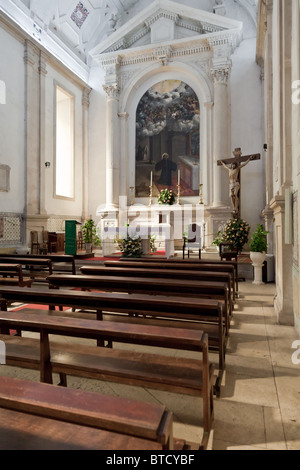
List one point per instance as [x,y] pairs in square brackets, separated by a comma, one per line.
[233,166]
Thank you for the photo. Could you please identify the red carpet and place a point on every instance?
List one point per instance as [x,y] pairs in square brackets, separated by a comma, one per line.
[116,258]
[35,307]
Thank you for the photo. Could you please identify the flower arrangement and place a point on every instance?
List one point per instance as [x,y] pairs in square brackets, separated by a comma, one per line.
[236,231]
[131,247]
[166,196]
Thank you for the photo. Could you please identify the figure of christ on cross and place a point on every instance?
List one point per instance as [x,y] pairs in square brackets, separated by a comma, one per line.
[233,166]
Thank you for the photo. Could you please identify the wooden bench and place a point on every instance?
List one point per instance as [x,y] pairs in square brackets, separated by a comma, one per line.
[138,424]
[59,263]
[148,282]
[32,267]
[177,374]
[171,311]
[12,275]
[219,271]
[221,263]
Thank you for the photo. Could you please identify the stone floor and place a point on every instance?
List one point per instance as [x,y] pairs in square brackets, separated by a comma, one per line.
[260,395]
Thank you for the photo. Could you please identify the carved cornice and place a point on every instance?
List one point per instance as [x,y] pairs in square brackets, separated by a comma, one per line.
[176,50]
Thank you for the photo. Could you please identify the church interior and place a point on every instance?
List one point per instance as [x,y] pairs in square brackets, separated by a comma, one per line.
[127,124]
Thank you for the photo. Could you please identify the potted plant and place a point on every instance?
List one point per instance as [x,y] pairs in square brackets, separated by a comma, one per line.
[90,236]
[258,249]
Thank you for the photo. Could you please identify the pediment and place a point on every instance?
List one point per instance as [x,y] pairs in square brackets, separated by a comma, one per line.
[164,22]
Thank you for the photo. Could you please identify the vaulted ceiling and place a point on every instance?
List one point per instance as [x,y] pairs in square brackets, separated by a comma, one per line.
[79,26]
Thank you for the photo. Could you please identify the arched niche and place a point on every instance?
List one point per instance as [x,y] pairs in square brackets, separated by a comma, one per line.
[130,98]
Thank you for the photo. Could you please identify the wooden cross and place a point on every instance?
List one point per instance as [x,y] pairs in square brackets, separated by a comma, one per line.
[238,158]
[233,166]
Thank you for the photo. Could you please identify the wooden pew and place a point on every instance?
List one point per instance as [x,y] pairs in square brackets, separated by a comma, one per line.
[171,311]
[219,270]
[60,263]
[120,280]
[120,421]
[12,275]
[151,370]
[30,265]
[202,262]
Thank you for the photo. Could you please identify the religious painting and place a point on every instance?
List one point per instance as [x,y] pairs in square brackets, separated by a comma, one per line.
[168,140]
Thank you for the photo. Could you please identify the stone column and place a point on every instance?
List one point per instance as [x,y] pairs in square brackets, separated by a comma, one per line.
[112,146]
[85,122]
[32,128]
[221,123]
[124,158]
[42,145]
[206,167]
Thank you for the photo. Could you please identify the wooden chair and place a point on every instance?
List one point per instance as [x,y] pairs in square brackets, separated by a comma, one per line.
[193,240]
[227,252]
[79,240]
[35,245]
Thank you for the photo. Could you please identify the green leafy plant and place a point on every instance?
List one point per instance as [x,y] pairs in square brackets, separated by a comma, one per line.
[89,233]
[218,238]
[131,247]
[236,232]
[259,240]
[166,196]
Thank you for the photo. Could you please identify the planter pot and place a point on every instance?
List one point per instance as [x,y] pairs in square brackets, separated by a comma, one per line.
[88,247]
[257,262]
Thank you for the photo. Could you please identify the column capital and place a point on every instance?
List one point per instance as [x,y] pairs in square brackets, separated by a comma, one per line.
[221,74]
[112,90]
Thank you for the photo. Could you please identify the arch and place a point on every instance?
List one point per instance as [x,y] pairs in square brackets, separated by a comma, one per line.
[139,84]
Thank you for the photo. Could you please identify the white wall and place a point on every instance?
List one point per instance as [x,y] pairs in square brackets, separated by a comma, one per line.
[247,128]
[54,205]
[97,141]
[12,122]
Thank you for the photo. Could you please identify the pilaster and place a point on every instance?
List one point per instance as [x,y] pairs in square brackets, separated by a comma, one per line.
[283,301]
[221,120]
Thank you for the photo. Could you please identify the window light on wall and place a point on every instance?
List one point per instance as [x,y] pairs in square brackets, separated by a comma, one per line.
[64,157]
[2,92]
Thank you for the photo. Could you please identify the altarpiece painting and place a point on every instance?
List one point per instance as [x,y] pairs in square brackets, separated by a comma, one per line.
[168,139]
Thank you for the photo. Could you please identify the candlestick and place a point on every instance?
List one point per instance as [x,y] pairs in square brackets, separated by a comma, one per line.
[179,194]
[200,194]
[151,194]
[132,195]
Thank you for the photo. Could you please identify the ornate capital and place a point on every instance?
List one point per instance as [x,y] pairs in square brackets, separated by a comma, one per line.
[221,75]
[112,90]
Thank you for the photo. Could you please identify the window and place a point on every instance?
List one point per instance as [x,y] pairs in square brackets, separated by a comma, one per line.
[64,161]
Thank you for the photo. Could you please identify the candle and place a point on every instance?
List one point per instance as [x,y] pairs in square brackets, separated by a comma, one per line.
[178,177]
[151,178]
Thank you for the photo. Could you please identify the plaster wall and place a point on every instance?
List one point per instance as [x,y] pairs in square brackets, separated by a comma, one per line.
[97,142]
[12,121]
[247,128]
[53,204]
